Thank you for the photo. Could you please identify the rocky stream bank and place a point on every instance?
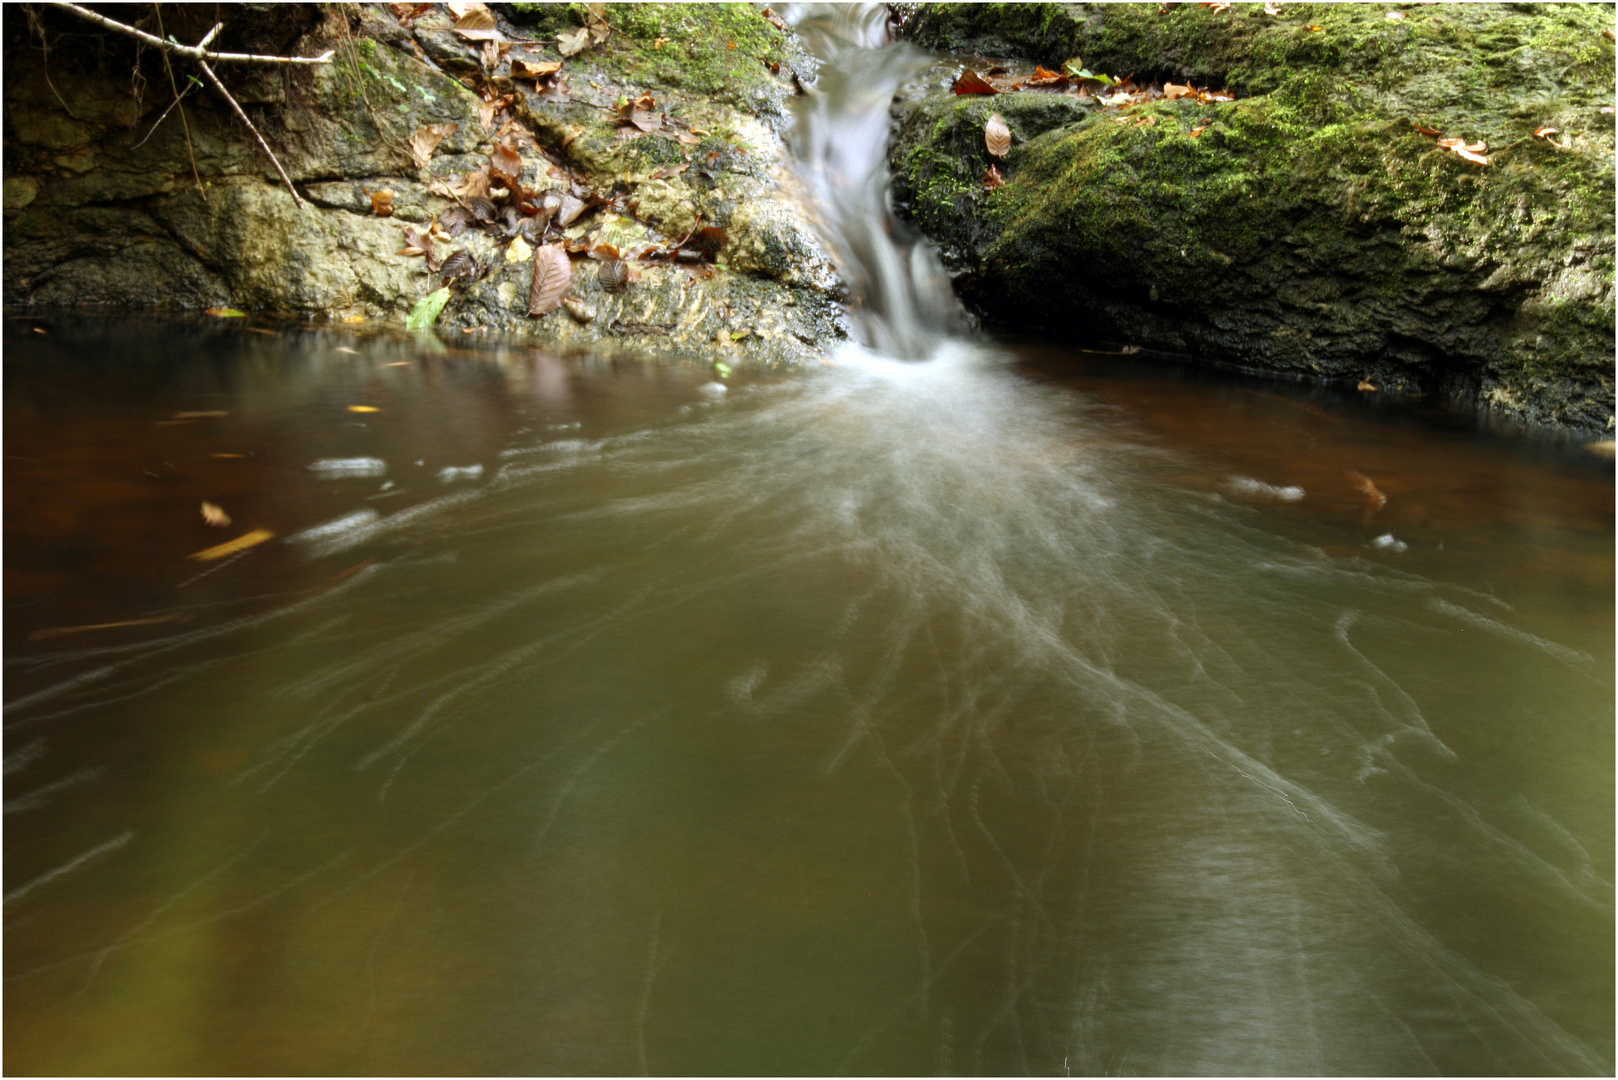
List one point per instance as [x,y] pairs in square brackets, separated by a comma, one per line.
[1282,188]
[643,142]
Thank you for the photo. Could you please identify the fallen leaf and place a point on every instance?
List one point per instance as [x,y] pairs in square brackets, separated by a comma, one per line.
[226,313]
[427,310]
[613,275]
[1471,156]
[997,137]
[1540,133]
[1216,5]
[1366,384]
[534,69]
[231,547]
[486,114]
[381,201]
[1608,34]
[1425,130]
[710,240]
[992,179]
[1196,132]
[214,516]
[1150,120]
[1172,92]
[457,265]
[1362,483]
[570,42]
[569,209]
[363,408]
[506,161]
[774,19]
[553,274]
[658,43]
[971,82]
[518,251]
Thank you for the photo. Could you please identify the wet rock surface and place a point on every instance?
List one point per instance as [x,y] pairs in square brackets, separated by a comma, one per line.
[110,201]
[1313,227]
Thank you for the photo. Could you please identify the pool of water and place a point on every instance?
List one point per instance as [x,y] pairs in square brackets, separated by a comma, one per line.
[1020,710]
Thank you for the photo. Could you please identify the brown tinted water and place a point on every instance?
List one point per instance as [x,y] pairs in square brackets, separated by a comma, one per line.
[1001,713]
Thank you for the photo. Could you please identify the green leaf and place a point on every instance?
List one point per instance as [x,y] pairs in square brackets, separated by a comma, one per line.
[1075,67]
[427,310]
[723,368]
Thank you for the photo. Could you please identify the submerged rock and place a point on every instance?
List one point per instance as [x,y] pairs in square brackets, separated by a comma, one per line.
[111,202]
[1310,227]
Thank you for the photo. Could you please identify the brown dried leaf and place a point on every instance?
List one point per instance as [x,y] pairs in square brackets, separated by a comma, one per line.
[1425,130]
[710,240]
[231,547]
[473,185]
[458,265]
[534,69]
[992,179]
[1171,92]
[1362,484]
[214,516]
[506,161]
[613,274]
[1196,132]
[553,275]
[426,140]
[971,82]
[1216,5]
[997,137]
[1540,133]
[570,42]
[381,201]
[568,210]
[774,19]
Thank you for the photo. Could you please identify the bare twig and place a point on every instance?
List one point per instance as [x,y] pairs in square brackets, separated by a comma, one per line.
[195,52]
[160,119]
[185,125]
[208,71]
[45,49]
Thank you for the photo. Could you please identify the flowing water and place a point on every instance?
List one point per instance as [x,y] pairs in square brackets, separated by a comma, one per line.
[1005,710]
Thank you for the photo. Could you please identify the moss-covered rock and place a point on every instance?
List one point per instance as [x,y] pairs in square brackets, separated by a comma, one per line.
[111,201]
[1308,227]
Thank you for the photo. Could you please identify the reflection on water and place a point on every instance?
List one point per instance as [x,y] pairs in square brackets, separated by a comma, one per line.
[956,717]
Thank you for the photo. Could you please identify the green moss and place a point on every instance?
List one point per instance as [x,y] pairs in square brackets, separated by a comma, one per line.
[721,51]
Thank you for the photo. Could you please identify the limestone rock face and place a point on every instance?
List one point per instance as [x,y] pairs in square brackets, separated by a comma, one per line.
[110,201]
[1310,227]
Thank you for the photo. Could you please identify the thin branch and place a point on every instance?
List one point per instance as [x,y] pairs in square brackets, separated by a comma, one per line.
[160,119]
[208,71]
[190,151]
[195,52]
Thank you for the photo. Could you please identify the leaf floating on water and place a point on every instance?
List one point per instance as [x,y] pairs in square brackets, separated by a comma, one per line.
[613,275]
[971,82]
[226,313]
[992,179]
[363,408]
[1603,448]
[997,136]
[231,547]
[553,275]
[1362,484]
[1366,384]
[214,516]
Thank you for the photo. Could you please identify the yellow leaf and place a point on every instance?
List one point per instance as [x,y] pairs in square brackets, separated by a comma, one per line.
[214,516]
[231,547]
[363,408]
[518,251]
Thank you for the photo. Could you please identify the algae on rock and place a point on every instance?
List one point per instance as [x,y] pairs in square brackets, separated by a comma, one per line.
[1309,227]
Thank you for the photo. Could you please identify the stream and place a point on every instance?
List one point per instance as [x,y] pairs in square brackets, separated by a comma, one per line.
[959,706]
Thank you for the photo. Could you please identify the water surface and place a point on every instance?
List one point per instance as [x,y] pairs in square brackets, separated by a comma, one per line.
[1000,713]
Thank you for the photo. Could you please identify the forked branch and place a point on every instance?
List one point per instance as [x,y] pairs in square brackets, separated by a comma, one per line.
[195,52]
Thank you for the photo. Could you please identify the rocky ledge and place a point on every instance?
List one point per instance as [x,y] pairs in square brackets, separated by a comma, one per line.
[442,149]
[1414,197]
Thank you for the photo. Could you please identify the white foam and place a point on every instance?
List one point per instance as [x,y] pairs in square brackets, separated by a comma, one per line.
[359,466]
[1258,489]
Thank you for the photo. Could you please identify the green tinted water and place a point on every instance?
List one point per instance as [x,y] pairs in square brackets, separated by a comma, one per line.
[983,715]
